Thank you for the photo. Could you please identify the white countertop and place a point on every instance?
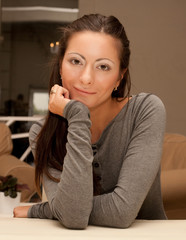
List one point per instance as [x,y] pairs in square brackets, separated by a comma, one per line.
[44,229]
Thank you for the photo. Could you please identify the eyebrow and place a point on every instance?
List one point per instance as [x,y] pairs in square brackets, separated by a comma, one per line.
[99,59]
[77,54]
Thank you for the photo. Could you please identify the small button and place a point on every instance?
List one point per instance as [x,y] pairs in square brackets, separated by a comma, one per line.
[94,147]
[94,153]
[98,178]
[96,164]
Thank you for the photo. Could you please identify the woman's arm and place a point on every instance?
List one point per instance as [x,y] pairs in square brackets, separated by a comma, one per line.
[138,172]
[70,201]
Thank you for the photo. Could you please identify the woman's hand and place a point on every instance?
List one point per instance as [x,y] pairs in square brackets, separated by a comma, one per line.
[21,211]
[59,97]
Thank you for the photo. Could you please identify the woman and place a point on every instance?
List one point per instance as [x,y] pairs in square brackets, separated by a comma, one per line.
[102,145]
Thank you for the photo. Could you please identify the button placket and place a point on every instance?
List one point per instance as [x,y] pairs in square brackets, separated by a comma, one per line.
[96,164]
[94,149]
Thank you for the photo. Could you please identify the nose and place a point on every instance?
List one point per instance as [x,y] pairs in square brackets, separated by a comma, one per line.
[87,76]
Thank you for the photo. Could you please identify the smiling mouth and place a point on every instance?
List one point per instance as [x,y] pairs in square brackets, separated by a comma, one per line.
[84,92]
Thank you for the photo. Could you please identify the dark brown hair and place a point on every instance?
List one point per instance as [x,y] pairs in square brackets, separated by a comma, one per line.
[51,141]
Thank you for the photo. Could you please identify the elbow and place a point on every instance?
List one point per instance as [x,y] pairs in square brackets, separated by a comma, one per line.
[74,224]
[124,221]
[71,215]
[72,220]
[124,224]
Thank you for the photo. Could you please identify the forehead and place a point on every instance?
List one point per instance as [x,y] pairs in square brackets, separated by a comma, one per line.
[94,43]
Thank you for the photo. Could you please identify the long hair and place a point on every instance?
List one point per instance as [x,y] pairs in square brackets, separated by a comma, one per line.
[51,141]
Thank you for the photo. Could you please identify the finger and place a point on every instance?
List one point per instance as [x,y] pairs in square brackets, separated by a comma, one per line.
[66,94]
[54,89]
[52,92]
[56,86]
[56,94]
[61,91]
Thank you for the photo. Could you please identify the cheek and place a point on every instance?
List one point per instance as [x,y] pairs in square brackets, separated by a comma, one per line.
[109,81]
[69,73]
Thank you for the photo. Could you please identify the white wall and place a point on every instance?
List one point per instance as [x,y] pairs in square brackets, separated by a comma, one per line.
[157,32]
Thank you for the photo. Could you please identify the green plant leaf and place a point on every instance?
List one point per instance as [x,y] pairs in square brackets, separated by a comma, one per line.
[12,182]
[10,187]
[13,194]
[6,193]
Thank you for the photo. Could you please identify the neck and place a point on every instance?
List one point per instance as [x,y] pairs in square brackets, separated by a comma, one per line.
[102,115]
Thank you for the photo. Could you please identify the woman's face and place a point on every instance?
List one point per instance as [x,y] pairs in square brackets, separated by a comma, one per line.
[90,68]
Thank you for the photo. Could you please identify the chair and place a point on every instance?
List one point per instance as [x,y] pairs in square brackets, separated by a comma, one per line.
[173,176]
[10,165]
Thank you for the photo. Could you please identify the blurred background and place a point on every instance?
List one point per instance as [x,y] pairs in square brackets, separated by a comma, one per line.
[29,33]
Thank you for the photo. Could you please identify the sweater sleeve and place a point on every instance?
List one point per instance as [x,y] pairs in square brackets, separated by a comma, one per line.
[70,201]
[139,169]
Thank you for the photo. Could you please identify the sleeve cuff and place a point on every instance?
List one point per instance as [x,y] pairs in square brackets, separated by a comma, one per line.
[74,107]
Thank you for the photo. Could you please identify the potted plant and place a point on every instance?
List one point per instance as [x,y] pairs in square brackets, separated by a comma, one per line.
[10,193]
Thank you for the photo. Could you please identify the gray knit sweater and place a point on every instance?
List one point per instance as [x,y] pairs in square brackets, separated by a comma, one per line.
[126,161]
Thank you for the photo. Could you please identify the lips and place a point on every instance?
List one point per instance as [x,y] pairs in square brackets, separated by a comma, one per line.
[84,91]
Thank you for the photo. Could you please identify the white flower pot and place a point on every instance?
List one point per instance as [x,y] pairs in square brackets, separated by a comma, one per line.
[7,204]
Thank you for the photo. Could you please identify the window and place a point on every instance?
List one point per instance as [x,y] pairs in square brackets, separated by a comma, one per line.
[38,102]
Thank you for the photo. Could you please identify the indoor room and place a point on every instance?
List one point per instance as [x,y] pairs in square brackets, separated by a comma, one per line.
[92,120]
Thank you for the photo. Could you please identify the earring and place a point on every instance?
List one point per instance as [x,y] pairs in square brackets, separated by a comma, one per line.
[116,88]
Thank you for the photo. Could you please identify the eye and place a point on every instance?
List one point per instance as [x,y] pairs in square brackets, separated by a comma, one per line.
[75,62]
[104,67]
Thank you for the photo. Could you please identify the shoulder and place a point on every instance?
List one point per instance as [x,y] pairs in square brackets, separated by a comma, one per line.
[35,129]
[148,98]
[148,109]
[147,102]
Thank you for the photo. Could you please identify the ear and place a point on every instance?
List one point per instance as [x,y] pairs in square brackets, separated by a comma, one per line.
[122,73]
